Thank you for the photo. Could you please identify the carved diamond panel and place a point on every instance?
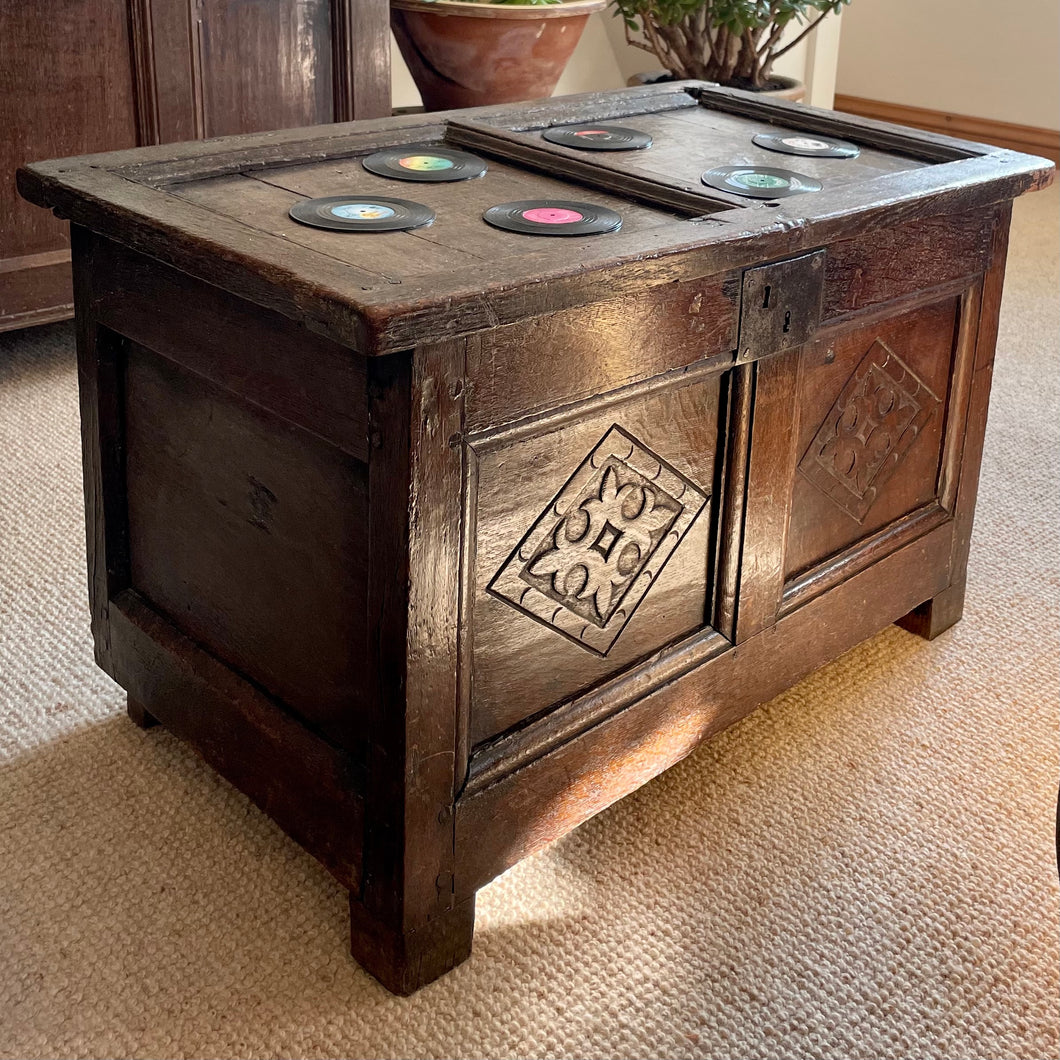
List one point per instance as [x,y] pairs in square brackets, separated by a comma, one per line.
[874,421]
[594,552]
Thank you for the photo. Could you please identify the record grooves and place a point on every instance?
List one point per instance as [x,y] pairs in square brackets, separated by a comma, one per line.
[553,217]
[362,213]
[424,163]
[759,182]
[598,137]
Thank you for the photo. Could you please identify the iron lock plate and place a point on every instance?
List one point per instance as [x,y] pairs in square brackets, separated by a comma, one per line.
[780,305]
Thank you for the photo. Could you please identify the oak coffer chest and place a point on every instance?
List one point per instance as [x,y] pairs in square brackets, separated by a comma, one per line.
[437,540]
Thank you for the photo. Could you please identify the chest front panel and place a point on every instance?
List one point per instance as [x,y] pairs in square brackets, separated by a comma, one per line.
[594,534]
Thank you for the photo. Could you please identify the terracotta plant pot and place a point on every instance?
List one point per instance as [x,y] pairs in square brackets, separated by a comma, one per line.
[792,89]
[467,55]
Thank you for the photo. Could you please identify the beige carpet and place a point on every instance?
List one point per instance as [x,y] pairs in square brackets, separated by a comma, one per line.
[862,869]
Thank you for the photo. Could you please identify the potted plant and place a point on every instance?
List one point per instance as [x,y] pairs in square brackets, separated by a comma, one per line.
[732,42]
[463,53]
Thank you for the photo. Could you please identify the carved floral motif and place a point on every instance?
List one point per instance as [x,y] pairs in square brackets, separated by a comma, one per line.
[591,556]
[869,429]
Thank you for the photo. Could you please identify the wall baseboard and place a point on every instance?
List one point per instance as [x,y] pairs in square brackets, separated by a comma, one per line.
[1026,138]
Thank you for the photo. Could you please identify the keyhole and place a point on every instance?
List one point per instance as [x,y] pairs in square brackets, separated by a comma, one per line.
[765,301]
[787,321]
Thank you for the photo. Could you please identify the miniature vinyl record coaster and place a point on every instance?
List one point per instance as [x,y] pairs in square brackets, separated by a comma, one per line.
[553,217]
[362,213]
[598,137]
[425,163]
[807,146]
[760,182]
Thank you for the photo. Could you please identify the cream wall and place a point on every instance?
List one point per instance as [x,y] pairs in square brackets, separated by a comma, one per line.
[402,89]
[594,65]
[975,57]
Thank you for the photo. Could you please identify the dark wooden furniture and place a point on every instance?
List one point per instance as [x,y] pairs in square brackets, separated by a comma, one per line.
[93,75]
[436,543]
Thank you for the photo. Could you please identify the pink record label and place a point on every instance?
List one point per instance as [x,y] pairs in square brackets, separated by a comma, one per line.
[551,215]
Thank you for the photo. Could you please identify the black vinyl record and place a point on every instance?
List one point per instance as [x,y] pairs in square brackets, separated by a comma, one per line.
[759,182]
[807,146]
[598,137]
[362,213]
[424,162]
[553,217]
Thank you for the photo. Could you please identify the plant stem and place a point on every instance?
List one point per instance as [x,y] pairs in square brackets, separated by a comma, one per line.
[809,29]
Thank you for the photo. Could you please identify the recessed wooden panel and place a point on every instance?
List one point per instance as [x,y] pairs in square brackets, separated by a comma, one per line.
[593,549]
[250,535]
[87,45]
[262,66]
[213,67]
[65,88]
[312,789]
[872,409]
[275,364]
[457,237]
[688,140]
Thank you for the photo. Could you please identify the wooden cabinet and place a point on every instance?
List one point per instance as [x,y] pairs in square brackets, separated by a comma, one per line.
[80,76]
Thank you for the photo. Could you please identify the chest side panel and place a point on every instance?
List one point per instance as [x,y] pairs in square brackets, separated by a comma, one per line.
[249,533]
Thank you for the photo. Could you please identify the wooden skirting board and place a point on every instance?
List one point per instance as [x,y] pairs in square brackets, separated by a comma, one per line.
[1028,138]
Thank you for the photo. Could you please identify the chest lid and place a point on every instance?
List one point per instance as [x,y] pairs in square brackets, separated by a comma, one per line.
[220,209]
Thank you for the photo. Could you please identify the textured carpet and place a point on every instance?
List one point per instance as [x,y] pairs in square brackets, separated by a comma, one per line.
[863,868]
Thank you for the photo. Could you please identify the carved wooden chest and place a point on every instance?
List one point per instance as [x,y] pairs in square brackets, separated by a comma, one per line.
[436,542]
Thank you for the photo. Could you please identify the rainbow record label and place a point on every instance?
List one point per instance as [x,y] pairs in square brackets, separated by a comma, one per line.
[598,137]
[807,146]
[553,217]
[362,213]
[424,163]
[759,182]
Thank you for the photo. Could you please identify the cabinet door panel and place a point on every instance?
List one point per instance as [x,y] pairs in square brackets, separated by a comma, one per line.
[263,65]
[65,89]
[218,67]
